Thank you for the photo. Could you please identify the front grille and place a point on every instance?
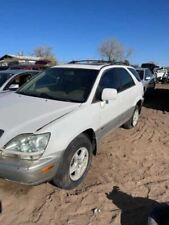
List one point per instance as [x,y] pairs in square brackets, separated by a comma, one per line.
[1,132]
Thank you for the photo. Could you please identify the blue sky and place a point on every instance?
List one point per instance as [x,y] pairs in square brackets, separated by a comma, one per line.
[75,29]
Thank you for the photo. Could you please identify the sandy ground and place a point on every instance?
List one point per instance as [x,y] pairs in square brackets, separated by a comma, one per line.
[128,177]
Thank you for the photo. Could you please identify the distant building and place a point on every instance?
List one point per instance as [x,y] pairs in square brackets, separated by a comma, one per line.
[18,59]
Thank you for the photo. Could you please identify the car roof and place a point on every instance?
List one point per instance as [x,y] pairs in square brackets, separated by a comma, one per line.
[92,67]
[18,71]
[79,66]
[95,64]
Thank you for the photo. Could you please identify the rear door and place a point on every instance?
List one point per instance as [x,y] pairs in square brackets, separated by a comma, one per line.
[127,93]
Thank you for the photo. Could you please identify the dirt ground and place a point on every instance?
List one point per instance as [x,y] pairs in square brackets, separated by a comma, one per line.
[129,176]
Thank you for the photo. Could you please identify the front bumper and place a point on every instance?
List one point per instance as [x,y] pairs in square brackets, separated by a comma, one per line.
[29,172]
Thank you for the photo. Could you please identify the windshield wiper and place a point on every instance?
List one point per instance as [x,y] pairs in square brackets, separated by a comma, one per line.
[70,100]
[44,95]
[27,94]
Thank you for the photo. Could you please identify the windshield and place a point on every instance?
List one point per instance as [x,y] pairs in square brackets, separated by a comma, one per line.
[63,84]
[4,77]
[141,74]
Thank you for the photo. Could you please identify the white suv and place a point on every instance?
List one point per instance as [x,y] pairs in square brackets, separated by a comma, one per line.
[50,128]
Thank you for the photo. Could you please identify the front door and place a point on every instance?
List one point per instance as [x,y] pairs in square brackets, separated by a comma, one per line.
[108,111]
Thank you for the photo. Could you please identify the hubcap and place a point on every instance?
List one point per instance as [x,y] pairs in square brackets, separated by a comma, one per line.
[135,117]
[78,164]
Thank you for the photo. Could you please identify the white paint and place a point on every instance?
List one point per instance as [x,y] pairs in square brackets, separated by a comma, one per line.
[23,114]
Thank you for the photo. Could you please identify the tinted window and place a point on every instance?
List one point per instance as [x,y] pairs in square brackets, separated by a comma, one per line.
[20,80]
[126,81]
[63,84]
[135,73]
[4,77]
[141,74]
[108,80]
[117,78]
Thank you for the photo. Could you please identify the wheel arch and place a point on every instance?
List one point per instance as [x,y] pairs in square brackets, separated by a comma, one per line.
[92,137]
[139,104]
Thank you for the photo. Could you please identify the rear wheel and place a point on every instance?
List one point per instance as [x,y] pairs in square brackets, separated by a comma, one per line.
[133,121]
[75,164]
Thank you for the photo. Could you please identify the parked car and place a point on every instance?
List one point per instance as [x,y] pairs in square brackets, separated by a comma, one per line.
[36,67]
[150,66]
[59,117]
[3,68]
[162,75]
[148,79]
[165,78]
[13,79]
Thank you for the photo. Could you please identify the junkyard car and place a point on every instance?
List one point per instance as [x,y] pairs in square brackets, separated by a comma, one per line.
[148,79]
[13,79]
[162,75]
[50,128]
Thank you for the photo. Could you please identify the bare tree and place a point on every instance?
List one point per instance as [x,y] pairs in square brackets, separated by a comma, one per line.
[113,50]
[45,53]
[128,53]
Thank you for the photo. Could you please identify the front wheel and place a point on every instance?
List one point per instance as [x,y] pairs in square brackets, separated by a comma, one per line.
[75,163]
[133,121]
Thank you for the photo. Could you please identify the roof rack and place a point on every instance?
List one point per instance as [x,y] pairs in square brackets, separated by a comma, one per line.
[96,62]
[89,61]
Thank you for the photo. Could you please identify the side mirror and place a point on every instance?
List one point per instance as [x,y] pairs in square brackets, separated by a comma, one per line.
[13,87]
[109,94]
[148,78]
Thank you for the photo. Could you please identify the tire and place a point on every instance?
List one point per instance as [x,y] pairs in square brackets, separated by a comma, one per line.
[78,148]
[131,123]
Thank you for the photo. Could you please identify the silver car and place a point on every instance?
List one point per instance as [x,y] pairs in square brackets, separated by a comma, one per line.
[11,80]
[148,79]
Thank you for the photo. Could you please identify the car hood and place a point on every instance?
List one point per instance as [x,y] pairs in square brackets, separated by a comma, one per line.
[19,113]
[4,92]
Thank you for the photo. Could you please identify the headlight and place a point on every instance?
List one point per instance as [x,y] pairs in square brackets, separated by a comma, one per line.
[29,146]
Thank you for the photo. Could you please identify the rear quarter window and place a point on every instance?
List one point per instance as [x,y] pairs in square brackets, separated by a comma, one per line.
[125,79]
[135,73]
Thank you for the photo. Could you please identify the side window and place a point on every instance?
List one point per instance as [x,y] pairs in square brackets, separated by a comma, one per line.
[148,73]
[126,81]
[141,74]
[109,79]
[20,80]
[135,73]
[27,77]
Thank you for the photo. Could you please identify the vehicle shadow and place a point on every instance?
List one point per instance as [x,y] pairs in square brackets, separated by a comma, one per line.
[158,99]
[134,210]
